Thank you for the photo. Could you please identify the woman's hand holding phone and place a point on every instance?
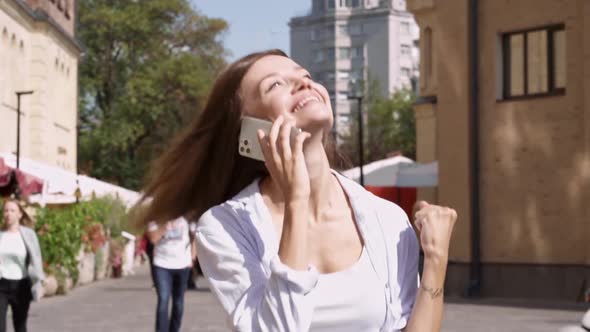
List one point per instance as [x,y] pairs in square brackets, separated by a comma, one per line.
[286,162]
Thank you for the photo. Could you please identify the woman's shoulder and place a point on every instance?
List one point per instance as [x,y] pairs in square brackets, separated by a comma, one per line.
[28,231]
[230,213]
[360,194]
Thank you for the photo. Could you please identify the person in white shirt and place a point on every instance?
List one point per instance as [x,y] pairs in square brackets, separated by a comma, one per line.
[21,272]
[172,262]
[288,244]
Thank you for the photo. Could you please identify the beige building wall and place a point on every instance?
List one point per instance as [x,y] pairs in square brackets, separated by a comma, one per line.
[37,55]
[425,112]
[534,158]
[447,80]
[534,151]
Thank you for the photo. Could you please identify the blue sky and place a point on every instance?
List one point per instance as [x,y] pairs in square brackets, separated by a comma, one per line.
[254,25]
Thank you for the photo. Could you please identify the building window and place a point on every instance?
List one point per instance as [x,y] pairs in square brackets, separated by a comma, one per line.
[357,74]
[405,49]
[357,52]
[534,62]
[342,95]
[343,74]
[318,5]
[405,71]
[329,76]
[314,34]
[331,4]
[355,29]
[318,56]
[343,30]
[344,53]
[405,28]
[353,3]
[67,9]
[330,53]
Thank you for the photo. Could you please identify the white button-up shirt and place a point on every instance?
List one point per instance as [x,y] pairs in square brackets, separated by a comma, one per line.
[237,248]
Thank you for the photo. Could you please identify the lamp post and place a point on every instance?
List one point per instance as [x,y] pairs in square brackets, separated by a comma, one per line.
[355,92]
[18,94]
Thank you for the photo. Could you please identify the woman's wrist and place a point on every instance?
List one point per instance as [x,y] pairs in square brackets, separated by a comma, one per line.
[434,272]
[297,206]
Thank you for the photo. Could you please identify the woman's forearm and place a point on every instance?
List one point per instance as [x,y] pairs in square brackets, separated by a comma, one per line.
[293,242]
[428,309]
[155,235]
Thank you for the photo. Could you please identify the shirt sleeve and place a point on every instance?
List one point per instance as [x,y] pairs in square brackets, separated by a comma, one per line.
[408,278]
[254,299]
[152,226]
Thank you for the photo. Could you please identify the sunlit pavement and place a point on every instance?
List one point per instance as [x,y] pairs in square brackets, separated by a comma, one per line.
[129,304]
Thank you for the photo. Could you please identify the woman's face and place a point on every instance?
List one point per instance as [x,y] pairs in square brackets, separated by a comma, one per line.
[276,85]
[11,214]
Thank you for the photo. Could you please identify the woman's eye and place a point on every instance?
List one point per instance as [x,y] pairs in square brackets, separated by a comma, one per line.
[273,85]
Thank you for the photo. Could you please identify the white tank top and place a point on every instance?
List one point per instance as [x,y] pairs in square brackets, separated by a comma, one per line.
[352,300]
[13,256]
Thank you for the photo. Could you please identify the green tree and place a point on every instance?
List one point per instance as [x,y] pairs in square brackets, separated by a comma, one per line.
[389,126]
[147,69]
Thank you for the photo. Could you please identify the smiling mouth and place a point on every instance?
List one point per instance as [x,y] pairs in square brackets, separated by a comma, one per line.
[304,102]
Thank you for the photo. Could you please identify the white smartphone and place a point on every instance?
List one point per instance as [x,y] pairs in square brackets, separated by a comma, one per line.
[248,145]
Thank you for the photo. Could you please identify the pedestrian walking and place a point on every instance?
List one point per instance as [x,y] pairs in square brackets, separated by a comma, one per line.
[21,266]
[172,263]
[146,246]
[289,244]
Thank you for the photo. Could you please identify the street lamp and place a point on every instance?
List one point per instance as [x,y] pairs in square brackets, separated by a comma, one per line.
[355,92]
[18,94]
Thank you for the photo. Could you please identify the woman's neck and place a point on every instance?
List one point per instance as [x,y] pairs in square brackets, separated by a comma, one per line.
[12,228]
[320,178]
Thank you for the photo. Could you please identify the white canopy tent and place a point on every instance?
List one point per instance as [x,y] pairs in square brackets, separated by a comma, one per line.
[59,186]
[397,171]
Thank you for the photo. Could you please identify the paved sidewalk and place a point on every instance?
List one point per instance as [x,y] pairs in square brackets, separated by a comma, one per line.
[125,305]
[129,304]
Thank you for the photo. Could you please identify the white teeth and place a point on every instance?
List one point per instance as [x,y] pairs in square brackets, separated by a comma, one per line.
[305,101]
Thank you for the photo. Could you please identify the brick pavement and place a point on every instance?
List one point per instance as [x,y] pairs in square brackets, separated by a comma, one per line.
[128,305]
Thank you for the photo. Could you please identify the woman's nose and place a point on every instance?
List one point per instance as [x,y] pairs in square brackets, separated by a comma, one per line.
[302,83]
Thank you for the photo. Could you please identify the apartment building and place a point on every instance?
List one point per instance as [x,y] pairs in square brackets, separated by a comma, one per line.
[343,42]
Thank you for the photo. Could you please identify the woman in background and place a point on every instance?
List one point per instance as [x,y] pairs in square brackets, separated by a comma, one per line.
[172,263]
[21,266]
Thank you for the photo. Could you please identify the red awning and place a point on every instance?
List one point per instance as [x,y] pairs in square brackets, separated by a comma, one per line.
[28,184]
[5,172]
[404,197]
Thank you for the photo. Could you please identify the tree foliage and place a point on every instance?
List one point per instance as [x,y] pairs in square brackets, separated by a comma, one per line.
[146,71]
[389,126]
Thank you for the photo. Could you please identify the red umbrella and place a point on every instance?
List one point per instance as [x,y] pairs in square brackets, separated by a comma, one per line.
[5,172]
[27,183]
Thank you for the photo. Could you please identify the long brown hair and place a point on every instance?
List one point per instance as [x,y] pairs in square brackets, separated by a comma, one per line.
[203,168]
[25,219]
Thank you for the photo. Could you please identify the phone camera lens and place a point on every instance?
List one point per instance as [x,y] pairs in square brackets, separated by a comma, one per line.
[248,150]
[241,149]
[245,142]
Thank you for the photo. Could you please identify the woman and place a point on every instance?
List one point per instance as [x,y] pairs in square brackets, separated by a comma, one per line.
[21,271]
[171,267]
[290,245]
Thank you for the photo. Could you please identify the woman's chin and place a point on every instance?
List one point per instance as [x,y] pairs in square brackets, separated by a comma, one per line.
[314,119]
